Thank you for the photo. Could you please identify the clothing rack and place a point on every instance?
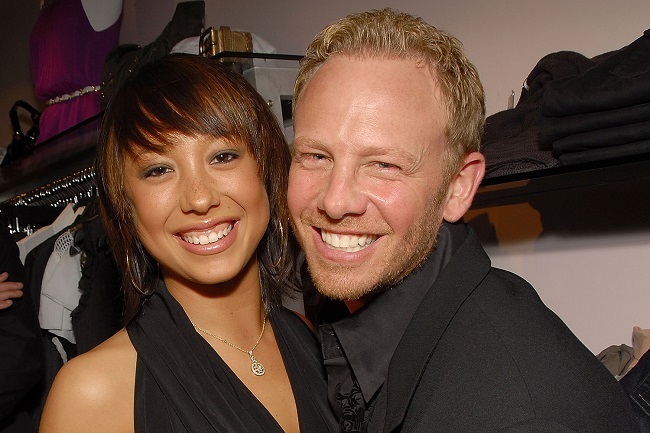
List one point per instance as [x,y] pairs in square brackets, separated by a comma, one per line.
[28,211]
[69,189]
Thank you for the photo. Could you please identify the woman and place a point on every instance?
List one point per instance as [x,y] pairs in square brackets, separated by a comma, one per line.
[192,171]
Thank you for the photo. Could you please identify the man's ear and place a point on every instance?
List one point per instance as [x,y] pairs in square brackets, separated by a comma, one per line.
[463,187]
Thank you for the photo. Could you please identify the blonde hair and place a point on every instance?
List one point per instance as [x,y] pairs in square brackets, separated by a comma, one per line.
[395,35]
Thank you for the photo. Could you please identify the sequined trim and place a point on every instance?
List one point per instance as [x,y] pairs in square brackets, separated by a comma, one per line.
[72,95]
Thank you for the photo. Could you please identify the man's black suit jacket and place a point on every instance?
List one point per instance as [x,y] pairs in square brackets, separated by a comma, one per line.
[484,354]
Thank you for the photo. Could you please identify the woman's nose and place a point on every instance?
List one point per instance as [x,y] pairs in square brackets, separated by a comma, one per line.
[199,193]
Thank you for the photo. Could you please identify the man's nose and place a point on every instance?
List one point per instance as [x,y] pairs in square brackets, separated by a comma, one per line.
[342,194]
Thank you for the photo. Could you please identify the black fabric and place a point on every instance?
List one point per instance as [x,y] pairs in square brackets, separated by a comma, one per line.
[511,138]
[35,263]
[343,390]
[182,385]
[21,351]
[125,60]
[603,112]
[482,353]
[99,313]
[600,138]
[358,365]
[620,80]
[627,150]
[636,384]
[555,128]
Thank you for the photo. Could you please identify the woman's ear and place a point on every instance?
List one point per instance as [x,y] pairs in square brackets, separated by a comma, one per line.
[463,187]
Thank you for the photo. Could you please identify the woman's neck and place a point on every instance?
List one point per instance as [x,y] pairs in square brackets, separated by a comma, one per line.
[230,304]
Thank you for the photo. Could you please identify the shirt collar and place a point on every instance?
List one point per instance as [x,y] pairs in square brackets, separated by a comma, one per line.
[370,336]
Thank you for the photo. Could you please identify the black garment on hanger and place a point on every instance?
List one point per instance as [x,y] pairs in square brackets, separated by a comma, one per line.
[99,313]
[127,59]
[21,352]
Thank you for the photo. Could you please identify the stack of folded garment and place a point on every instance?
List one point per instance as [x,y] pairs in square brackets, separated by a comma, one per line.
[603,112]
[511,138]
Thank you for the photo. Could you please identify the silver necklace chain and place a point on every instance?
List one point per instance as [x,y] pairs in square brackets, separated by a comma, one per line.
[256,367]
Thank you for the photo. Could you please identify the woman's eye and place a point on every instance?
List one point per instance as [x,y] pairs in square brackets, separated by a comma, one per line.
[225,157]
[156,171]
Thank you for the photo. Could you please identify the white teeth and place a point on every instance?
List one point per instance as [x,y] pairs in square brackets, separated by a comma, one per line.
[205,239]
[347,243]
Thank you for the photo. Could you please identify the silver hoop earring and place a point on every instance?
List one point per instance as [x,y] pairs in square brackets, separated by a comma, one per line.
[282,245]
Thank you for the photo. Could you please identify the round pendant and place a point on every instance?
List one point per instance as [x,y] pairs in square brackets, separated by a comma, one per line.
[257,368]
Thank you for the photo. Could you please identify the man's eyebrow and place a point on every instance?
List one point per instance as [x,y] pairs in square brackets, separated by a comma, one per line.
[310,142]
[390,151]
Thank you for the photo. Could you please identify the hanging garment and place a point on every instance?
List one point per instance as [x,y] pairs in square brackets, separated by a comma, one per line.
[60,288]
[67,56]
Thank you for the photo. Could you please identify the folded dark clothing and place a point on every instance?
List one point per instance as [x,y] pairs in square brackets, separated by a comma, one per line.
[526,114]
[517,154]
[605,137]
[605,153]
[620,80]
[554,128]
[510,140]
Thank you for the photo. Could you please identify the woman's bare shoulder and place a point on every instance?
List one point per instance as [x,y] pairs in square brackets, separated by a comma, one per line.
[94,391]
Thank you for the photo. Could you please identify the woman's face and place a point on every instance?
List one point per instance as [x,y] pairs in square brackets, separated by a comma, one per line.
[200,208]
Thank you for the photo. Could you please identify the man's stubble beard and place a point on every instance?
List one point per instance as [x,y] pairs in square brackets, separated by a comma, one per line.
[419,241]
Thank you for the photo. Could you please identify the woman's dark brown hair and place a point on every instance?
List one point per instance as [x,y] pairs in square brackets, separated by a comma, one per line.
[183,94]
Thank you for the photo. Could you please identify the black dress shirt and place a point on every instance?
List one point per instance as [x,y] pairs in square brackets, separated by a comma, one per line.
[357,350]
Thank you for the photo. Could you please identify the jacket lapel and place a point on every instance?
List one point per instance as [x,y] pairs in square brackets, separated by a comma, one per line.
[461,276]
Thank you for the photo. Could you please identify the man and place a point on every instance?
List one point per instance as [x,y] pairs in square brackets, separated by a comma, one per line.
[387,114]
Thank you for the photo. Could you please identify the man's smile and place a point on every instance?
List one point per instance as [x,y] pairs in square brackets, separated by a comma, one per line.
[347,243]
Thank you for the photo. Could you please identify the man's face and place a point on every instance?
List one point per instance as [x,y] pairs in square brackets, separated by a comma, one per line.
[366,190]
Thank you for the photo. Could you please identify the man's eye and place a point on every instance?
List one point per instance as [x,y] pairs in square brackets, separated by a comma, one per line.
[387,166]
[156,171]
[315,157]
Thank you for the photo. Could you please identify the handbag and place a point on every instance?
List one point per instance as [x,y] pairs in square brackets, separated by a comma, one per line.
[22,144]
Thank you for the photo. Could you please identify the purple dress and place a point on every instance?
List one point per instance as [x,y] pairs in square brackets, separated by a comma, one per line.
[67,56]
